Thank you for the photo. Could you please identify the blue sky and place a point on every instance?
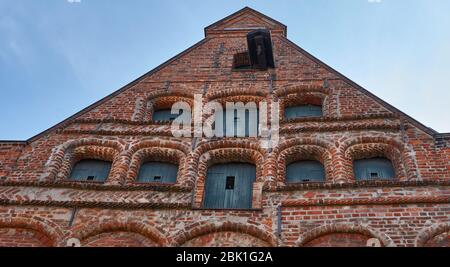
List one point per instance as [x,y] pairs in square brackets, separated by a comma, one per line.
[57,57]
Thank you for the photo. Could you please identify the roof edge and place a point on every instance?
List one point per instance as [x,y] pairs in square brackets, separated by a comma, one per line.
[242,10]
[420,125]
[19,142]
[443,135]
[117,92]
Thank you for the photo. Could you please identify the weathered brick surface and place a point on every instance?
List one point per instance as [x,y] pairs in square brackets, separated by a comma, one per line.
[17,237]
[40,207]
[339,240]
[226,239]
[118,239]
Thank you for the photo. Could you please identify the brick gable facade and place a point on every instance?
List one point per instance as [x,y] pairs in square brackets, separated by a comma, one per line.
[40,206]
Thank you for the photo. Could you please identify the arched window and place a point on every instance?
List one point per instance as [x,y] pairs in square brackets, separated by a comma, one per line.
[303,111]
[91,170]
[229,186]
[164,115]
[305,171]
[158,172]
[374,168]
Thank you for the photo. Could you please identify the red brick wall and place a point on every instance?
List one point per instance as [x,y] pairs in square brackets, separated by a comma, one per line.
[118,239]
[9,152]
[17,237]
[411,210]
[226,239]
[339,240]
[441,240]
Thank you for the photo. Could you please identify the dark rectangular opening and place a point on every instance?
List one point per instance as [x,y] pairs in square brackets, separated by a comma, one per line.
[157,178]
[259,45]
[90,178]
[241,61]
[374,175]
[229,185]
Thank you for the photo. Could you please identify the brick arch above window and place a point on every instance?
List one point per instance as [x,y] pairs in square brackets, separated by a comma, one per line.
[66,155]
[87,153]
[294,149]
[50,233]
[206,227]
[370,137]
[427,234]
[301,153]
[377,150]
[227,143]
[377,146]
[226,155]
[297,96]
[250,101]
[185,93]
[282,91]
[343,228]
[160,99]
[95,228]
[156,154]
[228,151]
[164,103]
[157,142]
[242,91]
[240,98]
[168,151]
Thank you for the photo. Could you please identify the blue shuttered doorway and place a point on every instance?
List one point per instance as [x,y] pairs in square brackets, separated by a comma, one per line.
[375,168]
[305,171]
[91,170]
[303,111]
[229,186]
[159,172]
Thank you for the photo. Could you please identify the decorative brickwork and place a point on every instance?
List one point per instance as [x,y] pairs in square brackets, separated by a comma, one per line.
[40,206]
[158,150]
[434,236]
[326,236]
[116,232]
[222,152]
[194,234]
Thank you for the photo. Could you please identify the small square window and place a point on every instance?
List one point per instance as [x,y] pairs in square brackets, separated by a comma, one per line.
[229,185]
[157,178]
[374,175]
[241,61]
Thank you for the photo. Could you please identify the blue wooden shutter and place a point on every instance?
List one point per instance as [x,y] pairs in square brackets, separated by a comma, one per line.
[236,120]
[160,172]
[305,171]
[164,115]
[375,168]
[217,196]
[91,170]
[247,122]
[303,111]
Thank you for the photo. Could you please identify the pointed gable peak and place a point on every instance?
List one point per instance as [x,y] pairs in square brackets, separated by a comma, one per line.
[245,20]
